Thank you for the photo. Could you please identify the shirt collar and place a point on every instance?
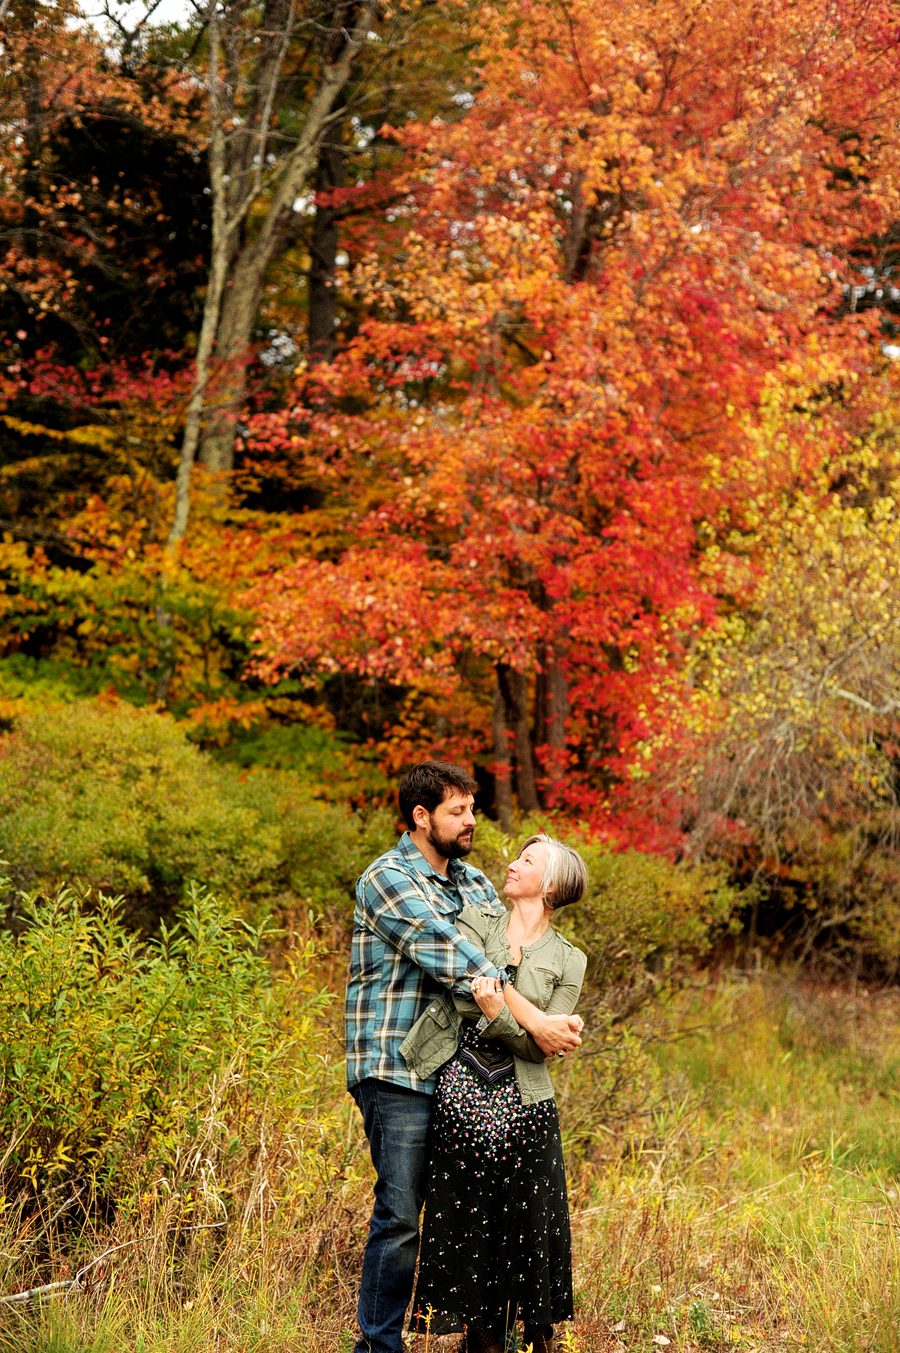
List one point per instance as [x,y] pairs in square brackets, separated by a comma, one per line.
[455,868]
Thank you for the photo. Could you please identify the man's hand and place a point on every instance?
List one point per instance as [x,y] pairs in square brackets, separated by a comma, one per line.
[558,1033]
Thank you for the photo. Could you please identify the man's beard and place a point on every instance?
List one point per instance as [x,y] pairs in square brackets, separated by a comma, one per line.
[451,847]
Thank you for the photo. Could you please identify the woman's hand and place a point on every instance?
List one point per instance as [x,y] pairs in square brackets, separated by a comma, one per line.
[488,994]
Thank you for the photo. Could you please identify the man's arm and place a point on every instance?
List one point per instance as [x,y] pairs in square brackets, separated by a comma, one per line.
[399,913]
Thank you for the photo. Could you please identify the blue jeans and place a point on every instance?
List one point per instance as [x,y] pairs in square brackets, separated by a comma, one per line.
[396,1121]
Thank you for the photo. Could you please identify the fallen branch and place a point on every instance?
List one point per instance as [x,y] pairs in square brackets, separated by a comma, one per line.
[74,1284]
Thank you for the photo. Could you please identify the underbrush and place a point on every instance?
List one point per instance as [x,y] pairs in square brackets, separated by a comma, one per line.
[755,1204]
[184,1047]
[751,1204]
[118,799]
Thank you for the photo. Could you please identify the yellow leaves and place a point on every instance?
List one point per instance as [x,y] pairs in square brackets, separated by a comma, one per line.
[90,435]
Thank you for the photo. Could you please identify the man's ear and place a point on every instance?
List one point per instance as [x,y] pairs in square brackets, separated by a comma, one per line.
[421,817]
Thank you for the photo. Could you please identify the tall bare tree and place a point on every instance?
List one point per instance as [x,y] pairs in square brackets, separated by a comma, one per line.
[276,79]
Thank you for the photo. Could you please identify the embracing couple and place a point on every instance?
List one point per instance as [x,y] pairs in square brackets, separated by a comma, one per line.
[453,1006]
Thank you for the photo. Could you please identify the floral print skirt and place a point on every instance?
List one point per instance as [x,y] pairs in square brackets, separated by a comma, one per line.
[495,1236]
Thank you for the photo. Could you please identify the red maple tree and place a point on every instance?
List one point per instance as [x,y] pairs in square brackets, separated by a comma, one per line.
[532,451]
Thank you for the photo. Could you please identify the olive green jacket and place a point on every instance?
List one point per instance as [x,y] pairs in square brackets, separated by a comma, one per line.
[549,976]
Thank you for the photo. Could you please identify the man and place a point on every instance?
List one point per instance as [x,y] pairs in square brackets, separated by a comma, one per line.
[405,948]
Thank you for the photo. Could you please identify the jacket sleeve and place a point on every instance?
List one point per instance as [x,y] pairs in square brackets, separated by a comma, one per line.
[473,923]
[563,1000]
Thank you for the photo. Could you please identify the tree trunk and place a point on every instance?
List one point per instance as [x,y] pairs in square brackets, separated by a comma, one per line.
[214,290]
[252,262]
[32,188]
[503,777]
[551,709]
[323,252]
[243,258]
[228,390]
[514,689]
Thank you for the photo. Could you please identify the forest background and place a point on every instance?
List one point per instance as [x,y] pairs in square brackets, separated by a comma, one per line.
[510,383]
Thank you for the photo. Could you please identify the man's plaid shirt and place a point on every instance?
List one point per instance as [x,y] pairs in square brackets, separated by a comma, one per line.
[406,949]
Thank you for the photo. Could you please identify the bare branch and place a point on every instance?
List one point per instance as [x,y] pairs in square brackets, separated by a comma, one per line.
[70,1285]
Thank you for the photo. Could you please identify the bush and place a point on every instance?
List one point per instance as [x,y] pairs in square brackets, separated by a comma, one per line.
[121,1061]
[326,848]
[328,761]
[117,798]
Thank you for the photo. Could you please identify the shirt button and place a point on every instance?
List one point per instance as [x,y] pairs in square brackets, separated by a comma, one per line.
[524,953]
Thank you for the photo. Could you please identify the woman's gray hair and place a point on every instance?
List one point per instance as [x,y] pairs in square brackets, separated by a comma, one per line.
[565,873]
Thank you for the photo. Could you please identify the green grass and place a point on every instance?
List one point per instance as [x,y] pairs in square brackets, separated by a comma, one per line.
[753,1206]
[758,1207]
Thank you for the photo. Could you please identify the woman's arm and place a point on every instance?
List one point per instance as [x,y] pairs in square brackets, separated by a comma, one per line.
[503,1025]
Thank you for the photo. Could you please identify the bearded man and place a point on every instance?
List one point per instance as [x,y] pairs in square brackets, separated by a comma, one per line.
[406,947]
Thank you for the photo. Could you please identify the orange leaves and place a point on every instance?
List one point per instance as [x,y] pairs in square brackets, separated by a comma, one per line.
[646,219]
[393,614]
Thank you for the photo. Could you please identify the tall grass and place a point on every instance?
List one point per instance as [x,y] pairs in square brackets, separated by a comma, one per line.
[753,1206]
[758,1206]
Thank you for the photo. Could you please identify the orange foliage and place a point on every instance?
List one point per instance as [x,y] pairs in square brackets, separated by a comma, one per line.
[531,454]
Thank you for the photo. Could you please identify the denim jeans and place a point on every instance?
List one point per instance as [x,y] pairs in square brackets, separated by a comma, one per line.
[396,1121]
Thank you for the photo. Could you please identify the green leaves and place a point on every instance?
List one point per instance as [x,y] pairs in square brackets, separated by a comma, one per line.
[115,798]
[111,1049]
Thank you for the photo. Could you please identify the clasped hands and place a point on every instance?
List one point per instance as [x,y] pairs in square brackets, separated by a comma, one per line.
[554,1034]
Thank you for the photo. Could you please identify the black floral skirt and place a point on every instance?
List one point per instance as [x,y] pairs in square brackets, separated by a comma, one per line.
[495,1236]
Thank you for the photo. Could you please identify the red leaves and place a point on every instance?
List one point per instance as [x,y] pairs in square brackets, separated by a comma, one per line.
[646,217]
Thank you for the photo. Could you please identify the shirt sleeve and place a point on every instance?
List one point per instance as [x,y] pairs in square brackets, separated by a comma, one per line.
[400,914]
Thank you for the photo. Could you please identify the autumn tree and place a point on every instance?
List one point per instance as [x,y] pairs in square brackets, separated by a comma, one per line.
[101,263]
[793,710]
[642,220]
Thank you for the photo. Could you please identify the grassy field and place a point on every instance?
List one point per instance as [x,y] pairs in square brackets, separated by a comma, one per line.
[754,1206]
[760,1209]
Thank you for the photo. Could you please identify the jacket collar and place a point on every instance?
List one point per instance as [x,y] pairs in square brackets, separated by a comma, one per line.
[548,937]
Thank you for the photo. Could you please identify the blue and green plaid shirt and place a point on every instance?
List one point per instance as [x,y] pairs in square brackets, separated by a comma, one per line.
[406,949]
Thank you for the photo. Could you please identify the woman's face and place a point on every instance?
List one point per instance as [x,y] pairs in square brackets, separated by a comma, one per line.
[525,875]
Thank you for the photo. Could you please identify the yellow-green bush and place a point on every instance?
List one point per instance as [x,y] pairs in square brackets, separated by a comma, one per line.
[119,799]
[120,1059]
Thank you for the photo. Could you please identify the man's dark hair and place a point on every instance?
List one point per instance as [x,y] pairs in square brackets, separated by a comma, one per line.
[428,784]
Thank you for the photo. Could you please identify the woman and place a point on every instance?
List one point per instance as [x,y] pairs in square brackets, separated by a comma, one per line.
[495,1239]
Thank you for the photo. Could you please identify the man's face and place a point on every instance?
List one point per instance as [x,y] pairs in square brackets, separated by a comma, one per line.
[451,826]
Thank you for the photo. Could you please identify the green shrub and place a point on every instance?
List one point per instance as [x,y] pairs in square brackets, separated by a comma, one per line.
[116,798]
[121,1061]
[329,762]
[644,917]
[325,849]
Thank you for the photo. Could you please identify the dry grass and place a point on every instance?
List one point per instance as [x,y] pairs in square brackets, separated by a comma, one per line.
[754,1208]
